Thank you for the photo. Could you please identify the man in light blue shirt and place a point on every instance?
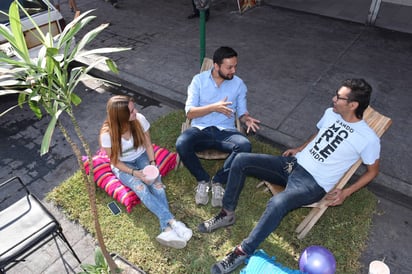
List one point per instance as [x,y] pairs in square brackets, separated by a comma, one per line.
[214,98]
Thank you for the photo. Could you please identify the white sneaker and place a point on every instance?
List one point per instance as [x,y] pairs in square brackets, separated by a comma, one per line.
[171,239]
[202,196]
[181,230]
[217,194]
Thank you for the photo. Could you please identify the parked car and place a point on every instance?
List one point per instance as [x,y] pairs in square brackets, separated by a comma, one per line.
[42,12]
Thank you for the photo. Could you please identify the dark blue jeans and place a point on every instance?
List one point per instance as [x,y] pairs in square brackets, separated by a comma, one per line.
[193,140]
[301,189]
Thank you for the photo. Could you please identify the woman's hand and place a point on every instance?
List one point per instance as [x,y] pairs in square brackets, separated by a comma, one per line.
[138,174]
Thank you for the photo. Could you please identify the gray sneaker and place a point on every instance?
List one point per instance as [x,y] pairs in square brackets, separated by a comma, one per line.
[202,196]
[232,260]
[217,194]
[220,220]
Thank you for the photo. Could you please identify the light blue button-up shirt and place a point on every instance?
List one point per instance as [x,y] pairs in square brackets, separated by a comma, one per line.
[203,91]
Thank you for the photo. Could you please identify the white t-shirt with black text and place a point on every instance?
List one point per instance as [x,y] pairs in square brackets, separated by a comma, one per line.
[336,147]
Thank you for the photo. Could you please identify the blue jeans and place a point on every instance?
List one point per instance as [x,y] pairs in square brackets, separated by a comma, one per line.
[301,189]
[194,140]
[153,196]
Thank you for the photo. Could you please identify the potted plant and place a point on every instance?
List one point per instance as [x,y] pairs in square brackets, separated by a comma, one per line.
[47,84]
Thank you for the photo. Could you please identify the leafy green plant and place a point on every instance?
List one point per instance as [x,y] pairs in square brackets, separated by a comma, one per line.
[47,84]
[100,267]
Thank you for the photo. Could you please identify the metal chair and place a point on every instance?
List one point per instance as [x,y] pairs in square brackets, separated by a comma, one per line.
[25,226]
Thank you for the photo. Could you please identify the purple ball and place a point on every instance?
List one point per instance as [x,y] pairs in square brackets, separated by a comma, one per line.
[317,260]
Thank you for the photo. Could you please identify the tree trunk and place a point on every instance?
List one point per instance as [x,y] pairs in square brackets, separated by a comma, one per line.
[90,185]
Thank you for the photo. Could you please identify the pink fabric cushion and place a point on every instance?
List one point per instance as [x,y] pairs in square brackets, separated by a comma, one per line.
[165,160]
[105,179]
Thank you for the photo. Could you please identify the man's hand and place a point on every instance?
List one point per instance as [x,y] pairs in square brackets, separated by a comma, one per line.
[293,151]
[290,152]
[251,123]
[336,197]
[222,107]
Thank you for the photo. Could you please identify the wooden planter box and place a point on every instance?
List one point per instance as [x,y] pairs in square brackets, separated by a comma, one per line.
[126,266]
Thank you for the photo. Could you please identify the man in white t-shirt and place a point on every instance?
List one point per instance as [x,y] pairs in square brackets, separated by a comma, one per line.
[308,172]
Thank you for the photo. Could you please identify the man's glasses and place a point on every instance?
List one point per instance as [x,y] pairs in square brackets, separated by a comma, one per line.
[341,98]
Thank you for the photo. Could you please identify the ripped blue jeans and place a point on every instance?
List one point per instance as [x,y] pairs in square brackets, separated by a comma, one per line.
[153,196]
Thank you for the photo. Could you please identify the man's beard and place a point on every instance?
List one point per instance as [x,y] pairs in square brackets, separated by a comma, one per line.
[226,77]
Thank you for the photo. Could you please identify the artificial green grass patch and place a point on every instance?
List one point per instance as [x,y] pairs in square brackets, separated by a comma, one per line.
[341,229]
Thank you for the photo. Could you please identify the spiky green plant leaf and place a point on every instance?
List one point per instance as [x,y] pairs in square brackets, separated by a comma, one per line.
[16,29]
[76,100]
[45,144]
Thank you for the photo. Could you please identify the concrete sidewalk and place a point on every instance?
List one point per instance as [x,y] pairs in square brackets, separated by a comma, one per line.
[386,14]
[292,63]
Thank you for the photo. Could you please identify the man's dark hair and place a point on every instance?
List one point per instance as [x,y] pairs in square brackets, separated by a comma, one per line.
[223,53]
[360,92]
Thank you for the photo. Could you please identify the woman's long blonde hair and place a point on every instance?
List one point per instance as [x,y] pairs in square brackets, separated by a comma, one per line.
[117,123]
